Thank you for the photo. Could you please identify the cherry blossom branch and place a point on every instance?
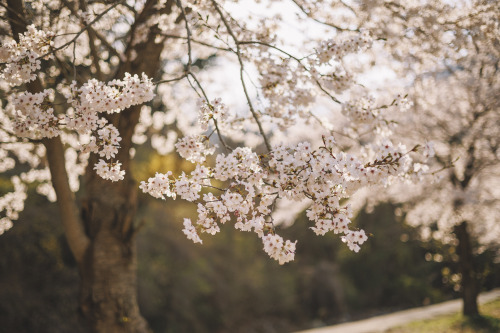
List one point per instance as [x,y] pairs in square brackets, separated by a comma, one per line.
[445,166]
[242,79]
[295,172]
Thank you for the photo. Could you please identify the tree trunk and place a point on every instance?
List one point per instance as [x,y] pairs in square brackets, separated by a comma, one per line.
[469,283]
[108,272]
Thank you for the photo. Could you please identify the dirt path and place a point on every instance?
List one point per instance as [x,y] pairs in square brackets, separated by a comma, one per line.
[382,323]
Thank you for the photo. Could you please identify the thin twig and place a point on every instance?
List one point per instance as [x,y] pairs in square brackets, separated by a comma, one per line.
[74,62]
[198,42]
[308,14]
[172,80]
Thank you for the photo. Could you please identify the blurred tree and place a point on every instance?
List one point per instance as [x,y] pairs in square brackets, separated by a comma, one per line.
[450,51]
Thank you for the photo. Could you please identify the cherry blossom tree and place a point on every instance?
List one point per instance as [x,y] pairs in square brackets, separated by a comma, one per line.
[451,53]
[87,83]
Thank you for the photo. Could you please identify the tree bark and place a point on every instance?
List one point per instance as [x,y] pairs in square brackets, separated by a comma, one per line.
[109,283]
[469,283]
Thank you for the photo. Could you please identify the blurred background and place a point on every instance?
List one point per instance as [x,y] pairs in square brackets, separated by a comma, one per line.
[229,284]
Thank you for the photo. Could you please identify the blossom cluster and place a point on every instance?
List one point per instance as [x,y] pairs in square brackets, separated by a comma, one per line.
[287,87]
[361,110]
[96,97]
[276,248]
[365,115]
[293,172]
[402,102]
[36,118]
[105,140]
[337,80]
[335,49]
[12,203]
[35,115]
[115,95]
[109,171]
[216,110]
[190,231]
[194,148]
[22,59]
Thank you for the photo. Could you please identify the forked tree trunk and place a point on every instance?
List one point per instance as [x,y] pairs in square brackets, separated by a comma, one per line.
[469,283]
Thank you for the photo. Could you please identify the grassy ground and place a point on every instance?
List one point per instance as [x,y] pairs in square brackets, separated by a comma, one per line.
[489,322]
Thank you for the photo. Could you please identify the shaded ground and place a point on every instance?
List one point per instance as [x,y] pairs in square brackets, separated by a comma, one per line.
[385,322]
